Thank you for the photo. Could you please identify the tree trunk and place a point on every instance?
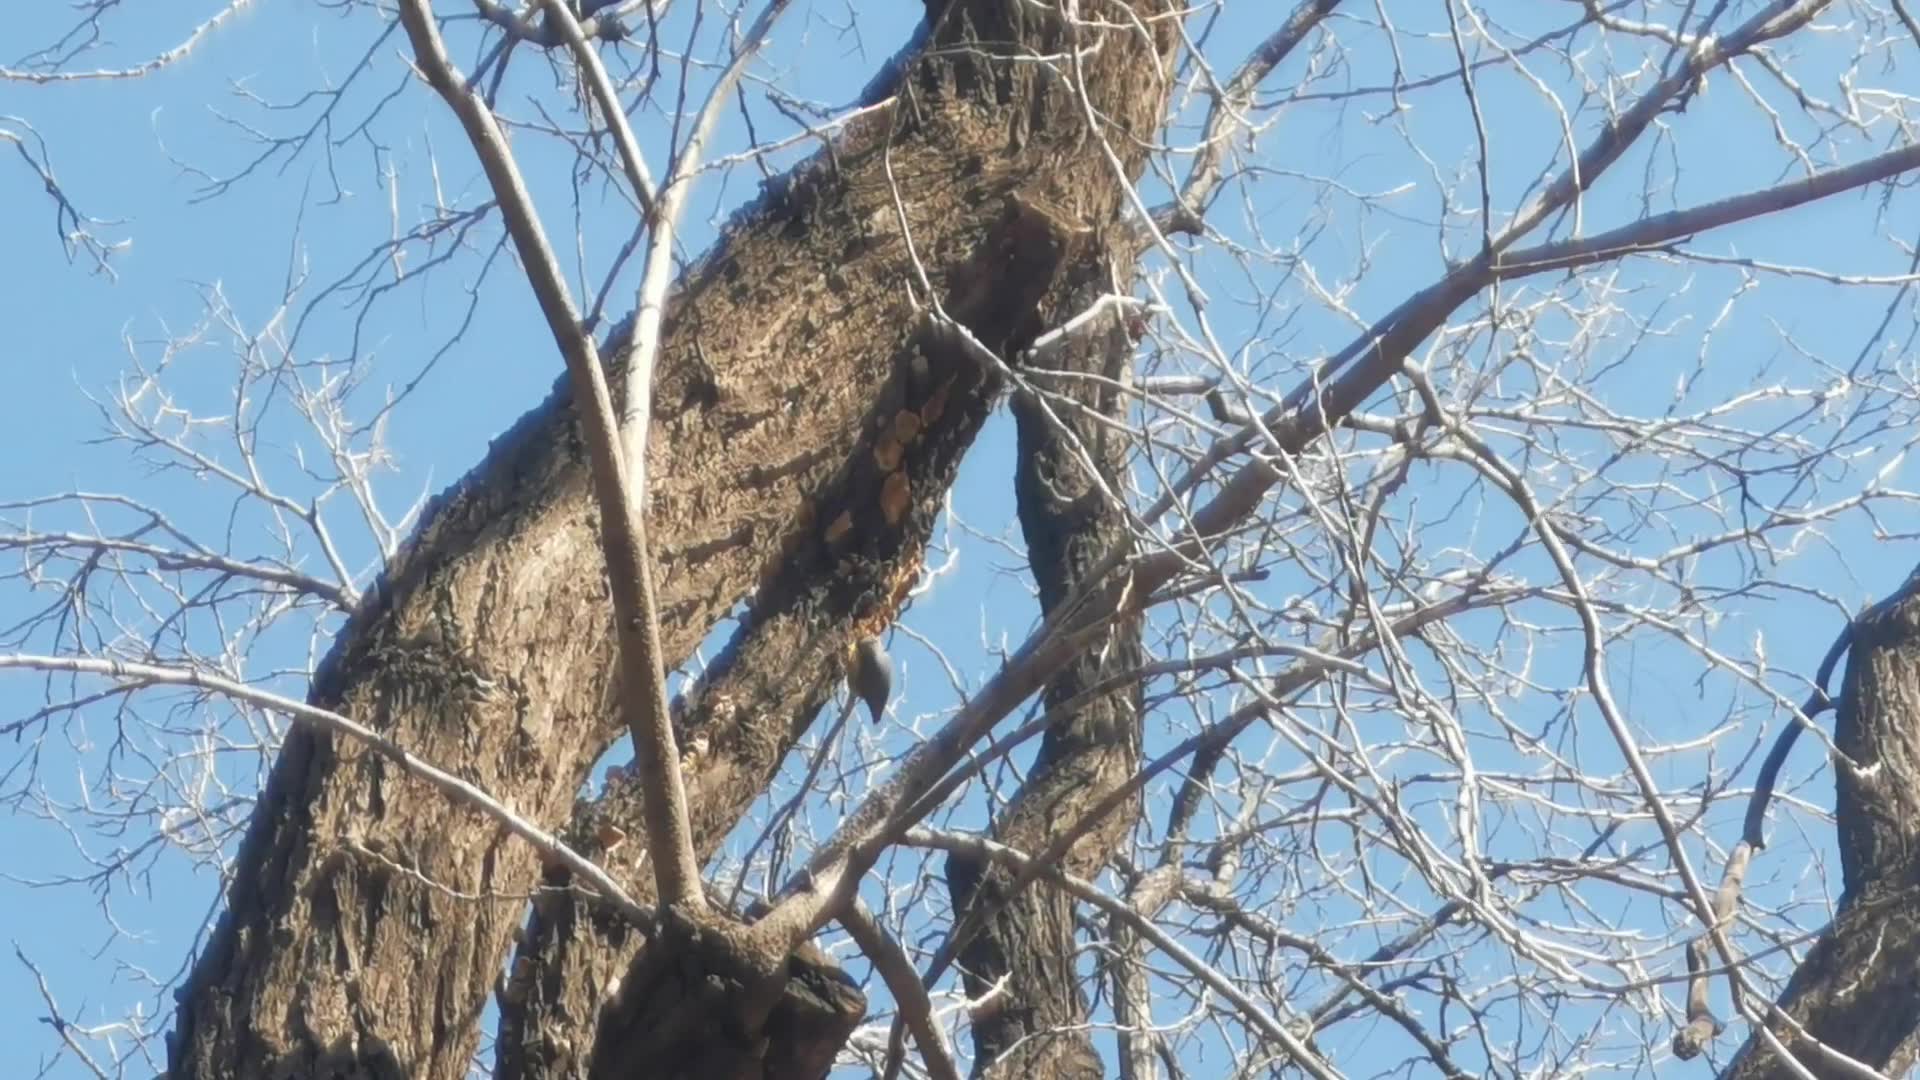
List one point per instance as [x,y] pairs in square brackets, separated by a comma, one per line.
[1858,990]
[368,917]
[994,294]
[804,1009]
[1032,1024]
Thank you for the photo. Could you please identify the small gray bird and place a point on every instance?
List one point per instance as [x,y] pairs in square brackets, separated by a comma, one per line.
[870,678]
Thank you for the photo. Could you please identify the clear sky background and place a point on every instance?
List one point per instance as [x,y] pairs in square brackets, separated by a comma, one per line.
[285,238]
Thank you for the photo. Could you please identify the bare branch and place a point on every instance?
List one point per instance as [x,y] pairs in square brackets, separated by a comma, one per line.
[1267,1025]
[136,675]
[916,1009]
[656,273]
[48,71]
[622,526]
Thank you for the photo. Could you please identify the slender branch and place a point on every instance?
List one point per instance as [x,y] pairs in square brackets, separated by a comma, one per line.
[53,1019]
[656,274]
[1817,702]
[136,675]
[166,558]
[631,160]
[1906,20]
[985,850]
[1702,1025]
[1776,20]
[909,992]
[70,224]
[171,56]
[1651,234]
[622,528]
[1227,116]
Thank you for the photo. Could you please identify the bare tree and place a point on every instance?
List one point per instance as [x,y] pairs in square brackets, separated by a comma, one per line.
[1443,442]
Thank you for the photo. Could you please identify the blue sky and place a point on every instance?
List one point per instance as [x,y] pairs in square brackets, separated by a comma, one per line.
[158,153]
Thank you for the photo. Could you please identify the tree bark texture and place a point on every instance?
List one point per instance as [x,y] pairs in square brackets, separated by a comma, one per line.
[787,657]
[368,918]
[797,1014]
[1857,991]
[1031,1026]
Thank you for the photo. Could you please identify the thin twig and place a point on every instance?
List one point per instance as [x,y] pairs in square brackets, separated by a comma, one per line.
[137,675]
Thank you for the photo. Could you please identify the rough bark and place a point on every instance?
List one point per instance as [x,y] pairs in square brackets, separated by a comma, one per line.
[1857,992]
[760,694]
[367,917]
[796,1015]
[701,1005]
[1032,1026]
[787,657]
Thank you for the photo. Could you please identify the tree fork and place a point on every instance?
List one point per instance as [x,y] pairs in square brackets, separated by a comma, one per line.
[470,650]
[848,574]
